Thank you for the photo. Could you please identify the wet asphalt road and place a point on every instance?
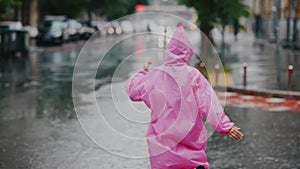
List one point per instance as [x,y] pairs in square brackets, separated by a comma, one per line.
[271,141]
[264,69]
[39,128]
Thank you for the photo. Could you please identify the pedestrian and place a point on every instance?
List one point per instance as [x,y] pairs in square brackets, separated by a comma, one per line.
[179,96]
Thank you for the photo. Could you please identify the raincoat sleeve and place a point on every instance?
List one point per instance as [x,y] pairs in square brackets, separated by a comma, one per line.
[210,106]
[134,86]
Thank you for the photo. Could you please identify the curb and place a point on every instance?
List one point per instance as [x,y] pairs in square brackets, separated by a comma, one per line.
[260,92]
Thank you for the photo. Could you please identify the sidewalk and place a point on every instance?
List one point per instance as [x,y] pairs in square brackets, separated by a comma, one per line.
[239,100]
[263,99]
[266,76]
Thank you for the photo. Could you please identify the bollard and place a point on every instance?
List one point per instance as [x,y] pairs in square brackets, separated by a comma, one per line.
[290,74]
[245,75]
[203,70]
[165,37]
[202,66]
[217,69]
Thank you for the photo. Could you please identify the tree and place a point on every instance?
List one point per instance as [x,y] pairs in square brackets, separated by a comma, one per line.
[212,13]
[229,12]
[71,8]
[115,9]
[7,8]
[112,9]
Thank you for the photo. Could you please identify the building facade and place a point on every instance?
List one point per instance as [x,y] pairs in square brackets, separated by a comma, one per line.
[288,13]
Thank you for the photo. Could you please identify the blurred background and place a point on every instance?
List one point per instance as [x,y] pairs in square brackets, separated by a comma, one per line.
[257,41]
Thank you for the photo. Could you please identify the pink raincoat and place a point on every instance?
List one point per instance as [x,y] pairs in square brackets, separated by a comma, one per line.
[179,96]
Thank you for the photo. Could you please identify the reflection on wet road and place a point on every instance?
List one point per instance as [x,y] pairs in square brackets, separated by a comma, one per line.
[264,70]
[39,129]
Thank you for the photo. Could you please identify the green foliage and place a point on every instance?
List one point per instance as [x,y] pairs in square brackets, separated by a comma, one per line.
[212,13]
[115,9]
[230,11]
[7,7]
[112,9]
[73,8]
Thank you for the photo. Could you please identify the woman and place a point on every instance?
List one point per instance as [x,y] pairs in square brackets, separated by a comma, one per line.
[179,96]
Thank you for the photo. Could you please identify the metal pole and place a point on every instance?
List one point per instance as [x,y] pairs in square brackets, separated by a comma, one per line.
[217,69]
[165,37]
[290,77]
[245,75]
[203,70]
[223,45]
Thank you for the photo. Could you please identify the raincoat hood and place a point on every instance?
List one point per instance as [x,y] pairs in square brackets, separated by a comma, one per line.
[180,49]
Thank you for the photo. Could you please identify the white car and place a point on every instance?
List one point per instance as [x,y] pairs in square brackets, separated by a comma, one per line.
[127,26]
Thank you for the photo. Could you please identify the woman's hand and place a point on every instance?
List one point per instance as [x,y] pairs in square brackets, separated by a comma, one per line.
[235,133]
[147,65]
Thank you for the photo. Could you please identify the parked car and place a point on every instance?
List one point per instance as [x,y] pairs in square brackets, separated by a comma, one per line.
[14,39]
[117,28]
[113,28]
[86,30]
[32,31]
[101,26]
[72,29]
[51,31]
[127,26]
[106,28]
[11,25]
